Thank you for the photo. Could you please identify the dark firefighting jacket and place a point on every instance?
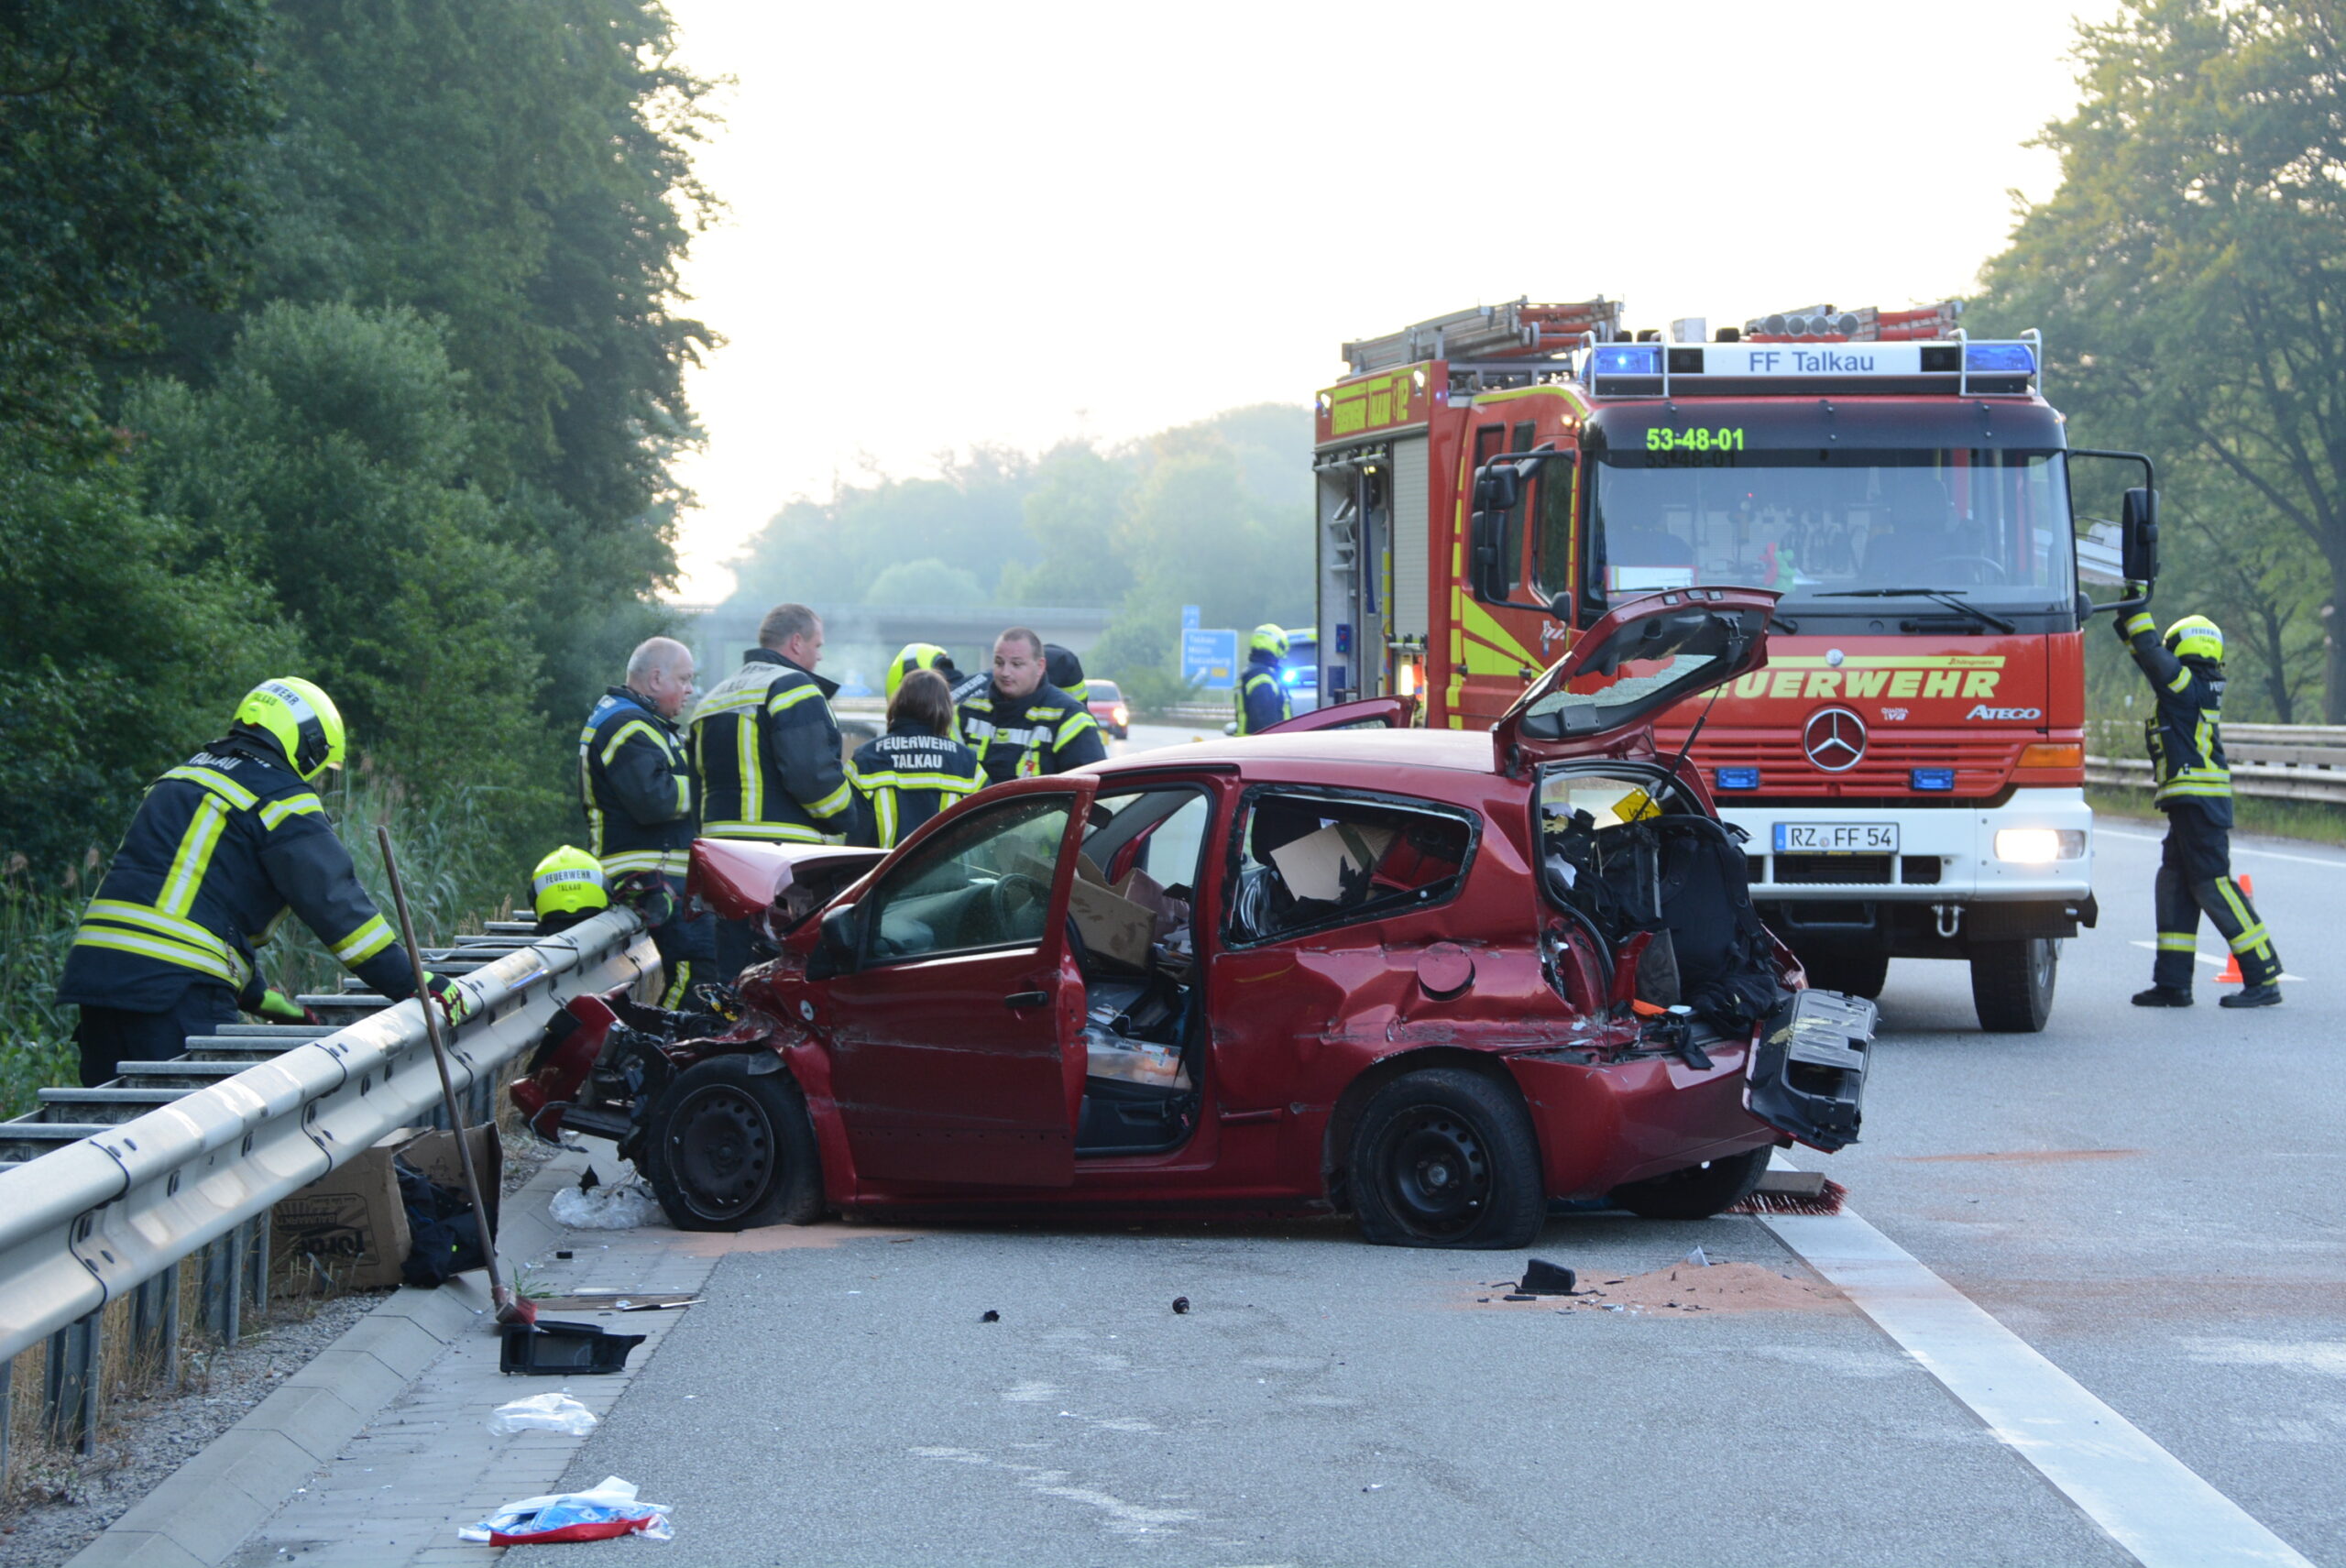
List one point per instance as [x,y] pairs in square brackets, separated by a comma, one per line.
[1262,697]
[767,750]
[2186,746]
[219,850]
[636,783]
[902,779]
[1048,731]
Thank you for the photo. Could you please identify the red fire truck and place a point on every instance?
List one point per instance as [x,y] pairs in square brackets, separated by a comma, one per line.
[1909,767]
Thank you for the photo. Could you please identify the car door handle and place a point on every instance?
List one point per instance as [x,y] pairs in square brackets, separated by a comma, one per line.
[1028,999]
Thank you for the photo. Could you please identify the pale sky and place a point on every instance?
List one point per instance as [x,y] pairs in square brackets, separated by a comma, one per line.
[958,224]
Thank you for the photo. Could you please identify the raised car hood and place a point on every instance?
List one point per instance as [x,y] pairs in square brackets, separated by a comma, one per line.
[1627,669]
[740,879]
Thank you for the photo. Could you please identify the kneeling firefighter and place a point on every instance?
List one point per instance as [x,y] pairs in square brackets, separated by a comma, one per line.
[219,849]
[2195,789]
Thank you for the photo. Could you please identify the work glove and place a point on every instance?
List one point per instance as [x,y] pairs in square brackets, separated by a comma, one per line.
[648,894]
[457,1003]
[2126,626]
[279,1008]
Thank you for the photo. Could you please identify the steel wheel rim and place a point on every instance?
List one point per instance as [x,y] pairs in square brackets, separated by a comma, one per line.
[722,1150]
[1436,1171]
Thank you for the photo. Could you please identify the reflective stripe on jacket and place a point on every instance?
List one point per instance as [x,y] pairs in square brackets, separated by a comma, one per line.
[219,849]
[1261,698]
[1047,731]
[636,782]
[2182,734]
[767,751]
[902,779]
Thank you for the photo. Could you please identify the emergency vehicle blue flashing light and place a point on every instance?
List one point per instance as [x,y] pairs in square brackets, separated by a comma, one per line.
[1290,676]
[1627,359]
[1735,778]
[2004,357]
[1932,778]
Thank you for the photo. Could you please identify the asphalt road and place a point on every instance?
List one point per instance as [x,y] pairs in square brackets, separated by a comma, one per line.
[2144,1197]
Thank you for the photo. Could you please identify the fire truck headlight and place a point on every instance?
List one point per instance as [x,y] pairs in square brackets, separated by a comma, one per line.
[2039,846]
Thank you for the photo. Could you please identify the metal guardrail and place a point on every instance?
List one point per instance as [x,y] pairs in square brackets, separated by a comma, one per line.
[109,1200]
[2276,762]
[1214,713]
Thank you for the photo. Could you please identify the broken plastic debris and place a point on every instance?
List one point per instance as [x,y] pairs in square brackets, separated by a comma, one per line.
[1697,1257]
[611,1509]
[991,1316]
[621,1206]
[1180,1305]
[1542,1278]
[544,1412]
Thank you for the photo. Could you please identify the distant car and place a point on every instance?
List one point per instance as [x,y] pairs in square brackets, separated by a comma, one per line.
[1435,977]
[1106,701]
[1300,670]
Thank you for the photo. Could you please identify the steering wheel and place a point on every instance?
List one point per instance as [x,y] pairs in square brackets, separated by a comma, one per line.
[1980,564]
[1036,890]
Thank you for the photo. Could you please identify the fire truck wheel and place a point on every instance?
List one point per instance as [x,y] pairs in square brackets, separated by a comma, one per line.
[1698,1191]
[2012,983]
[727,1149]
[1445,1158]
[1858,971]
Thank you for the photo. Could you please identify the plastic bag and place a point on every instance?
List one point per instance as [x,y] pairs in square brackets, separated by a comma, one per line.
[610,1509]
[544,1412]
[621,1206]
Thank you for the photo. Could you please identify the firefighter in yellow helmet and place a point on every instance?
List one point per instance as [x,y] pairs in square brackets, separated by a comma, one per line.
[218,851]
[1262,696]
[2195,789]
[569,885]
[919,656]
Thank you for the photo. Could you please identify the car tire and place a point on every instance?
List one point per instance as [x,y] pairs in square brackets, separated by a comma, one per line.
[728,1149]
[1855,972]
[2012,983]
[1445,1157]
[1698,1191]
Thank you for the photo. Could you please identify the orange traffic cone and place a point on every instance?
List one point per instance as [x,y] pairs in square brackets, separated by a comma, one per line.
[2232,962]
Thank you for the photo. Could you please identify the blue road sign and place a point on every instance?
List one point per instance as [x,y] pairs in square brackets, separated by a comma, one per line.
[1189,617]
[1210,659]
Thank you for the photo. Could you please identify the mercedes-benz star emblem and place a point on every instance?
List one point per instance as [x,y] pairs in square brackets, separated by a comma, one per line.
[1834,739]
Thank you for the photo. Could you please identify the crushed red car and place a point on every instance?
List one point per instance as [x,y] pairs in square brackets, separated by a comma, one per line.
[1435,978]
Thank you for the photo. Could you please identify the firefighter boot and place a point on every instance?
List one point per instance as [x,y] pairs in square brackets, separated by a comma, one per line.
[2167,996]
[2266,996]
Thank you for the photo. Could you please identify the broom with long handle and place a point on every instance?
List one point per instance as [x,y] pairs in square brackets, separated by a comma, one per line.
[511,1309]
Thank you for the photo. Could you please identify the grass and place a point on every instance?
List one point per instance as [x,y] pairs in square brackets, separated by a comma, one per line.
[2312,820]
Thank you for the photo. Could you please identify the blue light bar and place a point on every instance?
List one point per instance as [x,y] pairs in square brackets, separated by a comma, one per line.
[1735,778]
[1627,359]
[2010,357]
[1932,778]
[1290,675]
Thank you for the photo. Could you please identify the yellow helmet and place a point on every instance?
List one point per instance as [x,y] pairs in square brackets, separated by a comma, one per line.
[300,718]
[1269,638]
[569,882]
[2195,636]
[910,657]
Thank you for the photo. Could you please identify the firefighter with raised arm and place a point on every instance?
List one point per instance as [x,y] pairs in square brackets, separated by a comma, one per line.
[1018,723]
[1262,696]
[768,752]
[637,784]
[220,849]
[2195,789]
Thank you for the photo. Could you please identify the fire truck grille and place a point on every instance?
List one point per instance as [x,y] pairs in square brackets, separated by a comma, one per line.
[1843,868]
[1887,768]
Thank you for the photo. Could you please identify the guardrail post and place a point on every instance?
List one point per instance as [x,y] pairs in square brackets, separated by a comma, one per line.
[70,1384]
[7,1410]
[155,1324]
[223,1279]
[256,1261]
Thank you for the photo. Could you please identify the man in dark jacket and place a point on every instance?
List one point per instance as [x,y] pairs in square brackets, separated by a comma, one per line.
[637,784]
[1020,725]
[768,751]
[221,847]
[1262,696]
[2195,790]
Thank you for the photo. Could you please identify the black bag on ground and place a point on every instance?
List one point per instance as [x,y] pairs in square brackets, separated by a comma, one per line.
[444,1238]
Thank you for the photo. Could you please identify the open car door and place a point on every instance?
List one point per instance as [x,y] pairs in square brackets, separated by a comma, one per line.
[956,1032]
[1630,668]
[1368,713]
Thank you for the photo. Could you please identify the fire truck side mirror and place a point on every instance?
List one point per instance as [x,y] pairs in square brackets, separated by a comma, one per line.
[1498,488]
[1490,572]
[2138,535]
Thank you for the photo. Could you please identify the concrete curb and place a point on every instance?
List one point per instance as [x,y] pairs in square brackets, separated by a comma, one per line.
[207,1508]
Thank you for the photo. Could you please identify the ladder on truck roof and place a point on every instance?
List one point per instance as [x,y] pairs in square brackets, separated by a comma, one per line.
[1516,330]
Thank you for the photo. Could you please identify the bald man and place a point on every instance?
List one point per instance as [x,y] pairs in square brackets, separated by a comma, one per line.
[642,803]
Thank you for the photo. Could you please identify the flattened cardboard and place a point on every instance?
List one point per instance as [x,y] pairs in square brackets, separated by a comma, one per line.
[1113,926]
[1315,865]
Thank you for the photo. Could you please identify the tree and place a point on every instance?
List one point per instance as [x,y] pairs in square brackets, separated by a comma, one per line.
[2190,272]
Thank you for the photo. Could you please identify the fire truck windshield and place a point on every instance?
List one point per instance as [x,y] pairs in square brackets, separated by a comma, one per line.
[1988,524]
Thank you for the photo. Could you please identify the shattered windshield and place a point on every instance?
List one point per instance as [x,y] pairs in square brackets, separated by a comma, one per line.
[1641,668]
[1988,524]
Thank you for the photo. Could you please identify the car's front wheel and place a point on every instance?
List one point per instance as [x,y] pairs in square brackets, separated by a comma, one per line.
[1698,1191]
[1445,1157]
[727,1149]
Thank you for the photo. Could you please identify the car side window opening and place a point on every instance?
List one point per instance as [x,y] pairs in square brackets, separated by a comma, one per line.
[1306,860]
[982,882]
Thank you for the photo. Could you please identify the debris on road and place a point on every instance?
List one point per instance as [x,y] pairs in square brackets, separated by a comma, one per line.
[1713,1288]
[1180,1305]
[1542,1278]
[544,1412]
[991,1316]
[611,1509]
[1698,1257]
[550,1347]
[619,1206]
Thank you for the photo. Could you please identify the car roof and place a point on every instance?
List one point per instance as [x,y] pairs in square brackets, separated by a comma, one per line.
[1373,751]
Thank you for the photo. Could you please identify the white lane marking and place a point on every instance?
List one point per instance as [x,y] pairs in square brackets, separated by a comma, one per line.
[2210,960]
[2238,849]
[2151,1503]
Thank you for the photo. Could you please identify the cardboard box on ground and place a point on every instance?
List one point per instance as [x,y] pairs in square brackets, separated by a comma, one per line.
[349,1224]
